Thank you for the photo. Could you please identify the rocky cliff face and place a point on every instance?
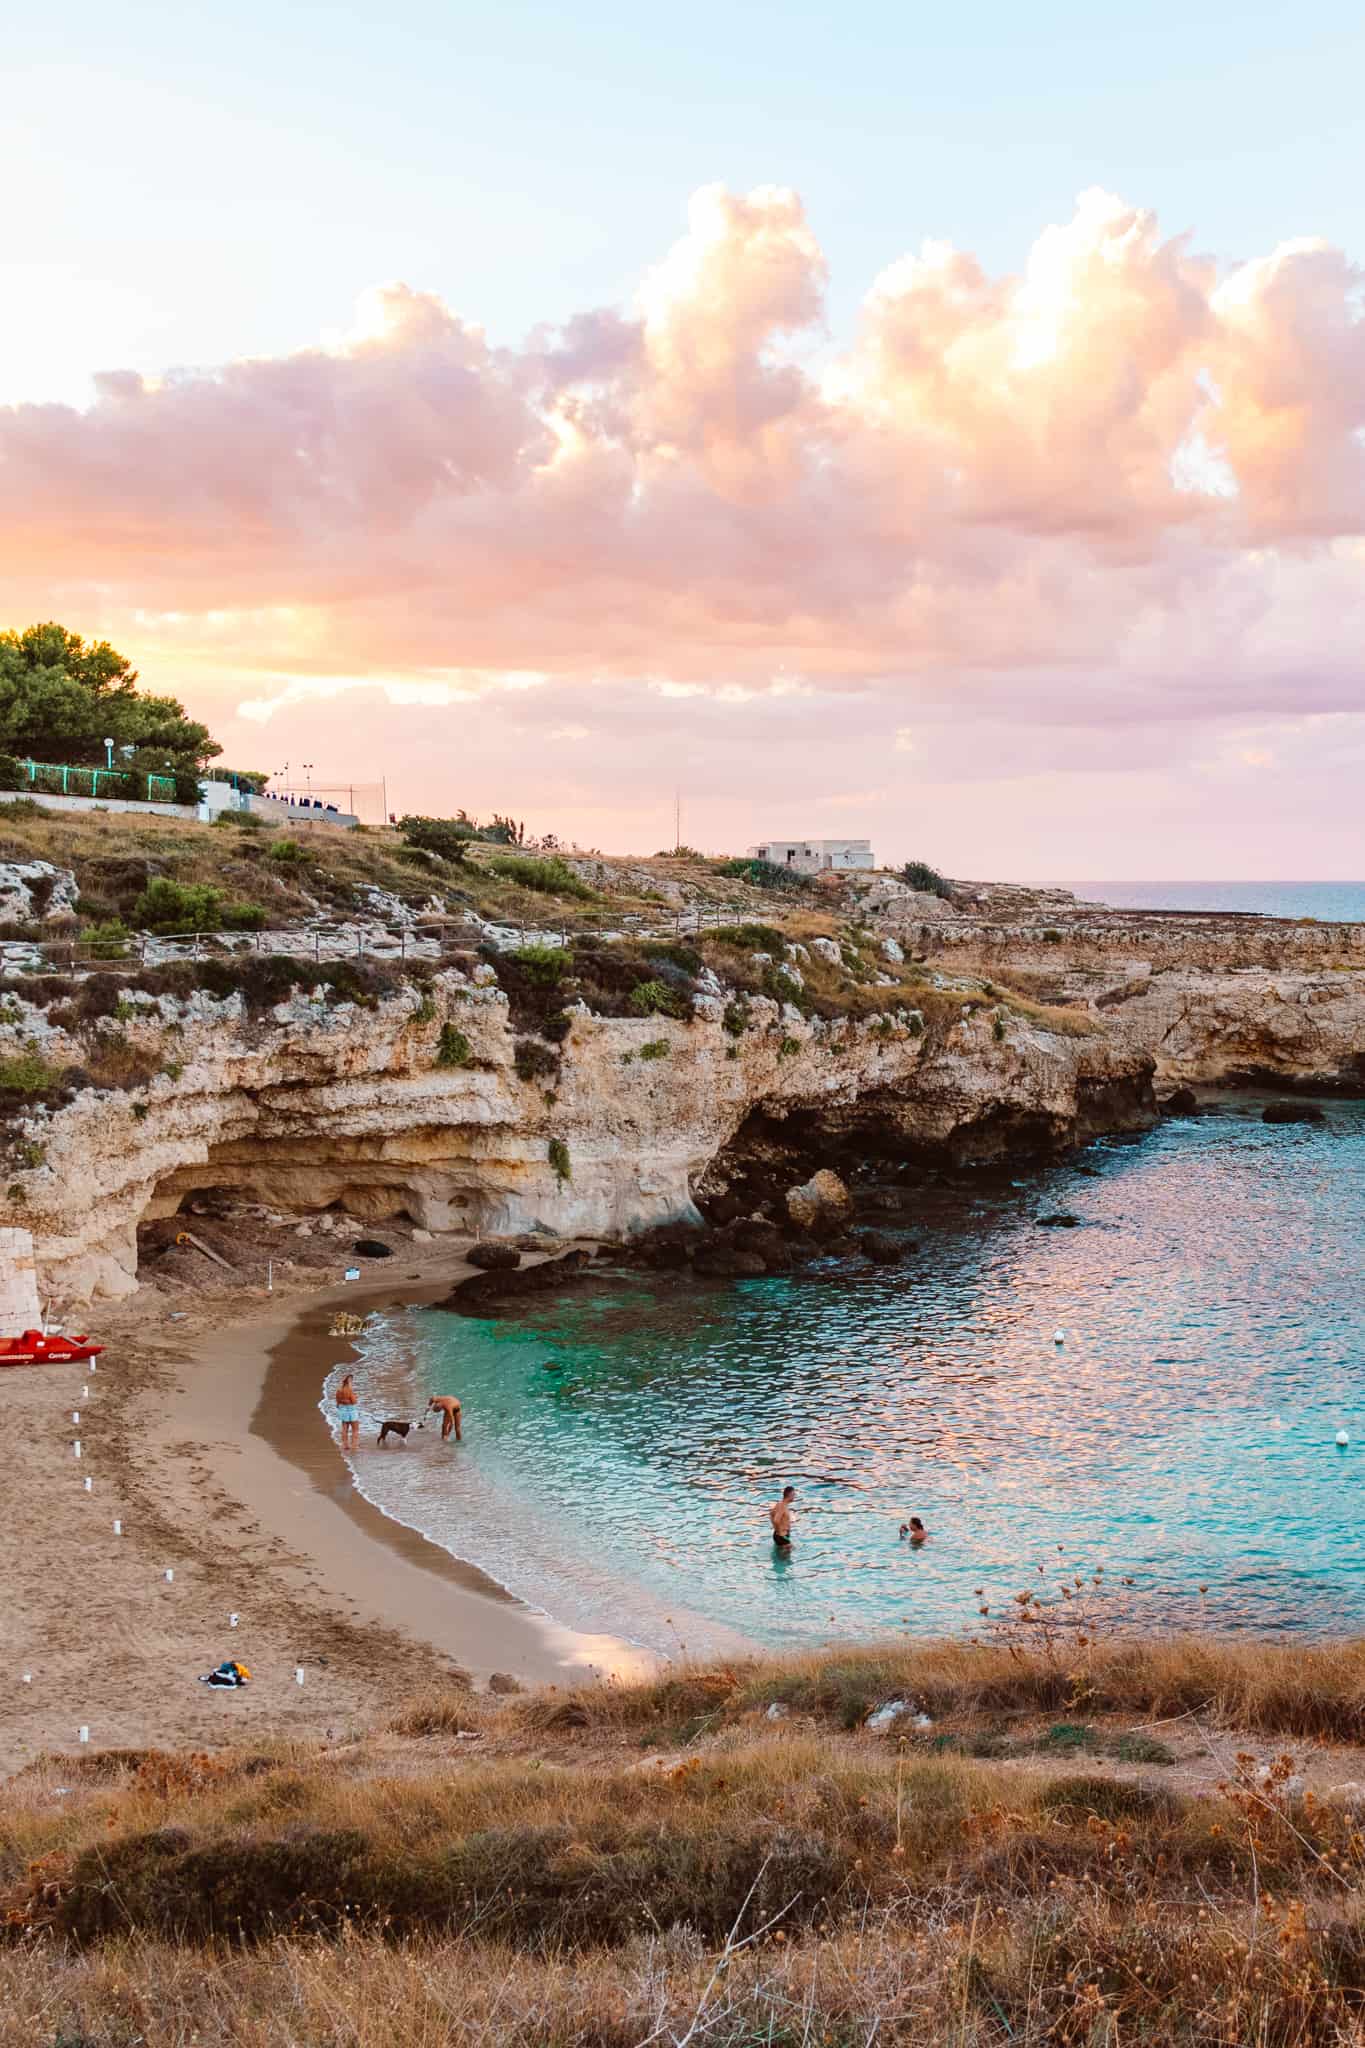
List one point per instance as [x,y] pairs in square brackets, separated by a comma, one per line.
[413,1106]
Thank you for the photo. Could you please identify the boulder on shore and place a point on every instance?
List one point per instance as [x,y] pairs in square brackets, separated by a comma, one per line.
[728,1262]
[1180,1102]
[1061,1219]
[482,1291]
[494,1258]
[371,1248]
[822,1205]
[1291,1113]
[882,1248]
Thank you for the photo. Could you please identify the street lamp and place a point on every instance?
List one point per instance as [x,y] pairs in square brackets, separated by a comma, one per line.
[308,767]
[108,753]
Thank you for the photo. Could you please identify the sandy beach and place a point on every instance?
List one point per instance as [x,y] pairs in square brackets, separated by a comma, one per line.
[200,1433]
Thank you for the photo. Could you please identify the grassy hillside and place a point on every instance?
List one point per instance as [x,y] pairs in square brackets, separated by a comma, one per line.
[725,1856]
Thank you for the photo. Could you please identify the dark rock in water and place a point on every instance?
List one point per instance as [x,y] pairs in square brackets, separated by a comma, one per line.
[882,1248]
[884,1199]
[1291,1113]
[371,1248]
[494,1257]
[766,1241]
[724,1209]
[483,1291]
[727,1262]
[1061,1219]
[1181,1102]
[1089,1172]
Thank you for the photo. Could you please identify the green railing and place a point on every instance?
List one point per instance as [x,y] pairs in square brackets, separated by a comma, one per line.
[55,780]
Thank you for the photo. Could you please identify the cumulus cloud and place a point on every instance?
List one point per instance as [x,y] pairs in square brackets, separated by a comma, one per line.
[1115,487]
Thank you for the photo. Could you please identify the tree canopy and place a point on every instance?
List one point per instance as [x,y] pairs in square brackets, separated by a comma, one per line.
[61,698]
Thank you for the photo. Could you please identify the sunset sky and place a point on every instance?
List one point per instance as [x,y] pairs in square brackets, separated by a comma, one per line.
[943,425]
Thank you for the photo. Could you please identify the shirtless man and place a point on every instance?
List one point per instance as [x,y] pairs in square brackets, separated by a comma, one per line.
[780,1515]
[448,1408]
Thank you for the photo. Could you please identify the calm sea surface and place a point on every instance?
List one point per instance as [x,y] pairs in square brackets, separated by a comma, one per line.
[1330,902]
[623,1442]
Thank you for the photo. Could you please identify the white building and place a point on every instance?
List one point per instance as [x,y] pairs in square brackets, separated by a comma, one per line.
[815,856]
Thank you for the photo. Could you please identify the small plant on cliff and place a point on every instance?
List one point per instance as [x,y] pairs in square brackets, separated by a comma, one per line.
[447,838]
[27,1073]
[534,1061]
[999,1029]
[31,1155]
[654,998]
[139,1112]
[917,874]
[736,1018]
[1052,937]
[789,1048]
[107,940]
[545,965]
[167,906]
[547,877]
[425,1010]
[749,938]
[453,1048]
[557,1152]
[655,1049]
[289,851]
[764,874]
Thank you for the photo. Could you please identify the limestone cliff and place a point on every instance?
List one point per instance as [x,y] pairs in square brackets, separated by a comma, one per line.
[412,1105]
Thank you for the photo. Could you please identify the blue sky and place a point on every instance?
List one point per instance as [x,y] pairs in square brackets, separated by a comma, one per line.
[198,183]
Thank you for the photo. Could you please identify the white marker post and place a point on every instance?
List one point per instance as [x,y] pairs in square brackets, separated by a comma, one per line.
[118,1528]
[90,1486]
[232,1621]
[83,1733]
[170,1576]
[27,1678]
[298,1674]
[76,1417]
[76,1447]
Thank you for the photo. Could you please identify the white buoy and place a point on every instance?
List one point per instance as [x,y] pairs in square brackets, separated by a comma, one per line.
[27,1678]
[170,1575]
[1343,1438]
[76,1416]
[93,1366]
[76,1447]
[298,1674]
[89,1485]
[118,1528]
[232,1621]
[83,1733]
[1059,1336]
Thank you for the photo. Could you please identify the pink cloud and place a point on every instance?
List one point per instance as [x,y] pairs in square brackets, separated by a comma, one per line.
[1109,490]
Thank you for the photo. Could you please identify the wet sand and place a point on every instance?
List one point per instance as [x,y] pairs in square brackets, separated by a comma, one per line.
[200,1432]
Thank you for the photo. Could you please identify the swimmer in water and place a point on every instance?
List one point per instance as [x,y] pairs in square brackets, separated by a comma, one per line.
[780,1515]
[915,1530]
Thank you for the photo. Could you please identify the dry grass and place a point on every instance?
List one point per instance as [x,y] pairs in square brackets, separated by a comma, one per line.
[777,1883]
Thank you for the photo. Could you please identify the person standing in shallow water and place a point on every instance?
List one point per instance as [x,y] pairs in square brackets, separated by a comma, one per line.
[448,1408]
[348,1409]
[780,1515]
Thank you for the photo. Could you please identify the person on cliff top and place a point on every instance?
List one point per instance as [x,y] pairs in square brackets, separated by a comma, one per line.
[348,1410]
[780,1515]
[448,1408]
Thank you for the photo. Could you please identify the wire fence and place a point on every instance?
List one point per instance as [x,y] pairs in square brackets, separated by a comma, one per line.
[54,779]
[424,939]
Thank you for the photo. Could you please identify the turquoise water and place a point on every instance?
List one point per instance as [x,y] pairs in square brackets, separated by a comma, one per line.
[1181,1436]
[1329,902]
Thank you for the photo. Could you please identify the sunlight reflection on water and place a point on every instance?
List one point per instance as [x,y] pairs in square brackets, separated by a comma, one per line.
[622,1443]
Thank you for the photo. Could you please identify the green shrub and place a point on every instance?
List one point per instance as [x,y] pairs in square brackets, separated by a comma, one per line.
[789,1048]
[447,838]
[1052,937]
[557,1152]
[750,938]
[917,874]
[998,1028]
[453,1048]
[13,774]
[289,851]
[167,906]
[27,1073]
[545,965]
[533,1060]
[655,1049]
[548,877]
[425,1011]
[139,1112]
[107,940]
[764,874]
[31,1155]
[914,1024]
[653,999]
[736,1018]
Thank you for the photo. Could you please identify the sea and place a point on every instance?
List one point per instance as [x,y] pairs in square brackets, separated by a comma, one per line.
[1328,902]
[1146,1405]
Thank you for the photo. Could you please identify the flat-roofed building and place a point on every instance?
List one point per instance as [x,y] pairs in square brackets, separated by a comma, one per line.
[815,856]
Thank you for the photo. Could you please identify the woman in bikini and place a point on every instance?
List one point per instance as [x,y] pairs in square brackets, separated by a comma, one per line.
[348,1408]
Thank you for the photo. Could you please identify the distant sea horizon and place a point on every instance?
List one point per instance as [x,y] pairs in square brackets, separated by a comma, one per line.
[1330,902]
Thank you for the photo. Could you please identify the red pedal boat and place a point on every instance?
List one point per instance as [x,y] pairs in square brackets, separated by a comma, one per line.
[36,1347]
